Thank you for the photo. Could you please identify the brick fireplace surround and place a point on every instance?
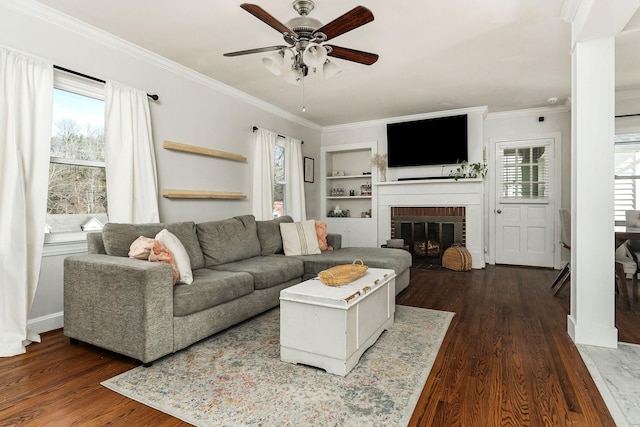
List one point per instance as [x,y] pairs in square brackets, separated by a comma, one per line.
[429,211]
[439,198]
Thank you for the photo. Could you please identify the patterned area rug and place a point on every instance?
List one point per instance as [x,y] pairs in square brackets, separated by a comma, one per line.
[236,378]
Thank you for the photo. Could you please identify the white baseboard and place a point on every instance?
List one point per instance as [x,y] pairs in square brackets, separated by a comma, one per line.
[46,323]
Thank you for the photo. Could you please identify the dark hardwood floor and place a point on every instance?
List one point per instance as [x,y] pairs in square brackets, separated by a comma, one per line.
[506,361]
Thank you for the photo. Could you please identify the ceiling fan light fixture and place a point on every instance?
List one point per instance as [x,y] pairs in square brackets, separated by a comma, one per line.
[274,62]
[314,55]
[293,76]
[330,69]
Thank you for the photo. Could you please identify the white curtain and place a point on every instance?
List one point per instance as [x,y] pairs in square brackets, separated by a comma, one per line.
[263,167]
[26,98]
[132,181]
[294,180]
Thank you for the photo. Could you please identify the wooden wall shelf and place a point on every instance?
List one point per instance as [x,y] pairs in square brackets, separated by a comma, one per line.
[199,194]
[177,146]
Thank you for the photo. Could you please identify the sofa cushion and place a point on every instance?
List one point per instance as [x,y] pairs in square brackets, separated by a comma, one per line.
[228,240]
[269,235]
[267,271]
[396,259]
[208,289]
[299,238]
[117,238]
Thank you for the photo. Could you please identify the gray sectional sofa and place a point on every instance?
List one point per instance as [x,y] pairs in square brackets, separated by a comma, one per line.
[132,307]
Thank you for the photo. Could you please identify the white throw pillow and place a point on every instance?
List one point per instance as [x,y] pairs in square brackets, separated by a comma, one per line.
[299,238]
[179,254]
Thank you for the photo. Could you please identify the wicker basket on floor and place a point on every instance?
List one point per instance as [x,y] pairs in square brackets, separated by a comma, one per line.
[343,274]
[457,258]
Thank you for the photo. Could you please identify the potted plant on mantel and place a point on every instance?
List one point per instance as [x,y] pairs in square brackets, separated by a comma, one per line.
[470,170]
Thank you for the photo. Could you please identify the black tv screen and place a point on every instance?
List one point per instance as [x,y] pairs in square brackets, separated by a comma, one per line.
[437,141]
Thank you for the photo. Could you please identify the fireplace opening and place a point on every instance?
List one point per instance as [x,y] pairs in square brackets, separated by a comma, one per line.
[428,236]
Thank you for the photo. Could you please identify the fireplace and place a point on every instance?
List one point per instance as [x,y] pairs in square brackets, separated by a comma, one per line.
[436,197]
[428,231]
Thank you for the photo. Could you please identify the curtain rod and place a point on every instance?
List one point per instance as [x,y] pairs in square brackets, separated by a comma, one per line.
[255,128]
[95,79]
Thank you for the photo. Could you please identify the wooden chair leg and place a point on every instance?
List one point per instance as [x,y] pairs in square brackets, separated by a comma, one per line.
[564,283]
[563,272]
[622,282]
[634,283]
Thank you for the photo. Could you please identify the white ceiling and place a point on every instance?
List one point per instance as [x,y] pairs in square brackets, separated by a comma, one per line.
[434,55]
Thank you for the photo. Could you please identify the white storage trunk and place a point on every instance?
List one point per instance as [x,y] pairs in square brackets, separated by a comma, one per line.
[330,327]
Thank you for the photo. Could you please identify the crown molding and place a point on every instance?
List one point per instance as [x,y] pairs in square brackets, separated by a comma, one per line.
[569,10]
[383,122]
[82,29]
[564,108]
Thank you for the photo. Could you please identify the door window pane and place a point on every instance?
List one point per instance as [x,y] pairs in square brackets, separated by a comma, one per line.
[525,173]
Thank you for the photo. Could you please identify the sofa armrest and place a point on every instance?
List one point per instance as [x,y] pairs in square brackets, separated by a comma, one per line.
[120,304]
[334,240]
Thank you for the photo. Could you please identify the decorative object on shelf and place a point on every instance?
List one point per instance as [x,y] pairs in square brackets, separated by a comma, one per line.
[337,191]
[177,146]
[308,169]
[343,274]
[339,213]
[380,161]
[365,189]
[470,170]
[352,193]
[337,173]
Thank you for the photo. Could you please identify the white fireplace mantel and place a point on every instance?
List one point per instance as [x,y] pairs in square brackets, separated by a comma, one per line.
[466,192]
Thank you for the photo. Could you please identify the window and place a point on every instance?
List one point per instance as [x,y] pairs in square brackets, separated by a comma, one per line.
[525,172]
[77,196]
[279,179]
[627,175]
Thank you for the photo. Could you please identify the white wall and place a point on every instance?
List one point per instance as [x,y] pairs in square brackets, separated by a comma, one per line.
[504,125]
[192,109]
[377,131]
[526,124]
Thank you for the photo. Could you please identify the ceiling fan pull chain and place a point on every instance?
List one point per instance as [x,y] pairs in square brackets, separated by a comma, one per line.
[304,109]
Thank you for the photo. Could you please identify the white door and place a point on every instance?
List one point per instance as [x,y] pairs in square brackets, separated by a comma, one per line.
[525,208]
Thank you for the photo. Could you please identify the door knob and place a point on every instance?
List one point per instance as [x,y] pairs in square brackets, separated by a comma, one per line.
[499,211]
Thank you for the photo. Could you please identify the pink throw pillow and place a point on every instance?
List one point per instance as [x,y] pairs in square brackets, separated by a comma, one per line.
[145,248]
[321,232]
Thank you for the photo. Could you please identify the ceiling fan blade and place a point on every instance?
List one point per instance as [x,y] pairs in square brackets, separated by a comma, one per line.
[355,18]
[265,17]
[257,50]
[365,58]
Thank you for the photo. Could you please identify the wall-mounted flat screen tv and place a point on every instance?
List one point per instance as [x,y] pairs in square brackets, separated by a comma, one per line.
[437,141]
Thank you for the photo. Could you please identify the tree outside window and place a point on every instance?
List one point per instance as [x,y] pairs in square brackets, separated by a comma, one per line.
[278,179]
[77,196]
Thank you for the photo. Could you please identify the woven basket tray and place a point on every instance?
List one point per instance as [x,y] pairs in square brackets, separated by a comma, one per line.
[456,258]
[343,274]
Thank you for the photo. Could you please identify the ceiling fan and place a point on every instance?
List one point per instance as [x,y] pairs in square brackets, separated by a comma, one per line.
[306,37]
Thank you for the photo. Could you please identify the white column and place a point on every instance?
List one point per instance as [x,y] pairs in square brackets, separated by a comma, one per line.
[594,25]
[592,317]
